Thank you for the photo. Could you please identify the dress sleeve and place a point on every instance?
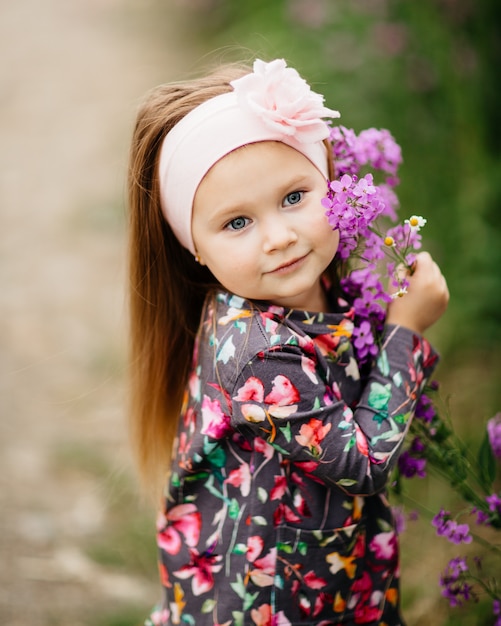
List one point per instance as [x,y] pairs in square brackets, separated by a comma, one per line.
[298,403]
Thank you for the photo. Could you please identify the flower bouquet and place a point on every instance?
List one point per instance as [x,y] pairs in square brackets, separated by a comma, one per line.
[364,210]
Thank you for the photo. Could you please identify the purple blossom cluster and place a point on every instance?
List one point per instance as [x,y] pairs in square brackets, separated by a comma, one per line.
[452,581]
[496,610]
[493,512]
[355,205]
[411,462]
[373,147]
[494,432]
[368,296]
[352,205]
[494,502]
[450,529]
[434,443]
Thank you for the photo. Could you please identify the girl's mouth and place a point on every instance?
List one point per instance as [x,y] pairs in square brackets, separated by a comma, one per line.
[290,266]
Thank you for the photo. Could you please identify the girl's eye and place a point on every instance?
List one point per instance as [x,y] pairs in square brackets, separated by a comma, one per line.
[293,198]
[238,223]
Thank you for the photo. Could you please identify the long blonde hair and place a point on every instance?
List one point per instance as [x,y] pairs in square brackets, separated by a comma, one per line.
[167,287]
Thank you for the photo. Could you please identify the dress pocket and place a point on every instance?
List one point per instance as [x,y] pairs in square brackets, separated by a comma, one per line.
[317,573]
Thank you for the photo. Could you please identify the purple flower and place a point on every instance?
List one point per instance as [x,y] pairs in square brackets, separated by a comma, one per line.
[440,518]
[494,432]
[367,305]
[482,517]
[344,141]
[496,609]
[373,250]
[417,445]
[399,519]
[424,409]
[458,533]
[390,200]
[494,502]
[457,566]
[409,466]
[450,529]
[341,185]
[364,340]
[452,581]
[364,187]
[379,149]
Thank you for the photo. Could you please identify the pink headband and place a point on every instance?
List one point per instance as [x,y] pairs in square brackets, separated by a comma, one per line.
[273,103]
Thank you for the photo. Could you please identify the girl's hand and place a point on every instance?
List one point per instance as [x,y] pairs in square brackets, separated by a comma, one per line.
[426,298]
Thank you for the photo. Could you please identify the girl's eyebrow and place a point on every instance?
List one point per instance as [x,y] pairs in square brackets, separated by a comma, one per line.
[223,214]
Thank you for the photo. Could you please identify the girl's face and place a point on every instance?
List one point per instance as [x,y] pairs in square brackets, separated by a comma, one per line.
[259,226]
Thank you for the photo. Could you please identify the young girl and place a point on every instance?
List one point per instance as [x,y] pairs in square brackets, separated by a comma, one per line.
[275,510]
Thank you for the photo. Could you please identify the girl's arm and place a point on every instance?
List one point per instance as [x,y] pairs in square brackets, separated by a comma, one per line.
[309,414]
[296,402]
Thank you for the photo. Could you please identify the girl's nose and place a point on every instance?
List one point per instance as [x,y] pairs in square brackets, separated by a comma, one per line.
[278,235]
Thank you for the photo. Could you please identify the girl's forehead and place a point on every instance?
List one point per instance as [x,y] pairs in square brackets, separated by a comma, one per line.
[254,173]
[255,155]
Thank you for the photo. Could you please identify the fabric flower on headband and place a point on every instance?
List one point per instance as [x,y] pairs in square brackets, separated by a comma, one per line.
[284,101]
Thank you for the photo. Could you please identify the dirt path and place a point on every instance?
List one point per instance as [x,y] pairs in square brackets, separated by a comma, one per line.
[72,73]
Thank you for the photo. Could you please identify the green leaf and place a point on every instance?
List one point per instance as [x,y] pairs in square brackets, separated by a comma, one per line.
[284,547]
[402,418]
[349,444]
[259,520]
[241,325]
[249,599]
[279,449]
[379,396]
[346,482]
[190,478]
[397,379]
[217,457]
[238,618]
[239,587]
[262,494]
[209,485]
[286,432]
[382,363]
[384,525]
[240,548]
[175,482]
[208,606]
[278,582]
[234,509]
[486,463]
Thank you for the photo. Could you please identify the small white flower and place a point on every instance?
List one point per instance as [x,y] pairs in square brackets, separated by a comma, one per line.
[416,222]
[398,294]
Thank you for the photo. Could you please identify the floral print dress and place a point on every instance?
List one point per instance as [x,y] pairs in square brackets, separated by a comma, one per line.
[275,510]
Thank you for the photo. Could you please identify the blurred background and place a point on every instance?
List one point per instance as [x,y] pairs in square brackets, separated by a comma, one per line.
[76,539]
